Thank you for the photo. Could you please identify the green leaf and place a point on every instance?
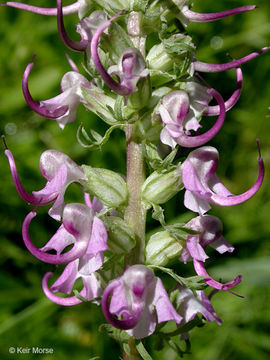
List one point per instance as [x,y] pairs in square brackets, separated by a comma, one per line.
[140,5]
[142,351]
[117,41]
[117,334]
[155,161]
[158,214]
[179,231]
[193,282]
[96,101]
[97,140]
[78,296]
[178,44]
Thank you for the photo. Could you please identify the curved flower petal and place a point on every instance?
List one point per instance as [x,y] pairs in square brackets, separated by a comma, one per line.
[77,220]
[193,141]
[165,310]
[199,178]
[214,110]
[125,324]
[67,10]
[59,241]
[30,199]
[204,67]
[190,305]
[200,270]
[198,17]
[67,301]
[54,114]
[72,45]
[67,279]
[115,86]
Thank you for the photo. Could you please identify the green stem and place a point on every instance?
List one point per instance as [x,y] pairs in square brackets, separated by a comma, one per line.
[133,354]
[135,214]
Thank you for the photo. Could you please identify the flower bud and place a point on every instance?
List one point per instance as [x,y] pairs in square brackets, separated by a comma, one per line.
[160,187]
[161,248]
[108,186]
[170,59]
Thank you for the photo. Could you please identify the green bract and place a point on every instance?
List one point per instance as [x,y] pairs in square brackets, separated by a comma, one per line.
[161,248]
[159,187]
[121,238]
[108,186]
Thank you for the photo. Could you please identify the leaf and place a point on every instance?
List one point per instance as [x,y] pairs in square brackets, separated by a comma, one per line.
[78,296]
[117,334]
[154,159]
[142,351]
[158,214]
[193,282]
[98,140]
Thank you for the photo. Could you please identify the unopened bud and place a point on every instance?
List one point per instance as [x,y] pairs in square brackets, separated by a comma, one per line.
[161,248]
[109,187]
[160,187]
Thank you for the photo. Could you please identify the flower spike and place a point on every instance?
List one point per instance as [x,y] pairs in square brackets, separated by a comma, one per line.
[77,220]
[42,111]
[205,67]
[214,110]
[198,17]
[115,86]
[72,45]
[67,10]
[67,301]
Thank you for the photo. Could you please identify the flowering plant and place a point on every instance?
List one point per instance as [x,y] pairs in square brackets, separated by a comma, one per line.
[154,93]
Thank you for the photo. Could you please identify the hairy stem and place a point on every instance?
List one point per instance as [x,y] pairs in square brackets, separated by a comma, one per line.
[135,31]
[135,214]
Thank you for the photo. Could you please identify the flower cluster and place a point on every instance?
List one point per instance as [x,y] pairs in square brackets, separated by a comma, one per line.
[155,95]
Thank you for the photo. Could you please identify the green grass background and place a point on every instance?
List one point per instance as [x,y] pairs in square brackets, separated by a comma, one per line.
[27,318]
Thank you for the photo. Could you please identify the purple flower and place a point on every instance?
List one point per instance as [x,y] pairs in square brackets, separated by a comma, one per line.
[215,110]
[210,229]
[83,267]
[189,304]
[189,15]
[179,114]
[130,69]
[204,67]
[76,229]
[140,299]
[70,9]
[86,28]
[59,171]
[210,233]
[63,107]
[203,185]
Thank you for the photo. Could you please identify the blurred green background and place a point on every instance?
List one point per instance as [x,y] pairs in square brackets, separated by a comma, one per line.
[27,318]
